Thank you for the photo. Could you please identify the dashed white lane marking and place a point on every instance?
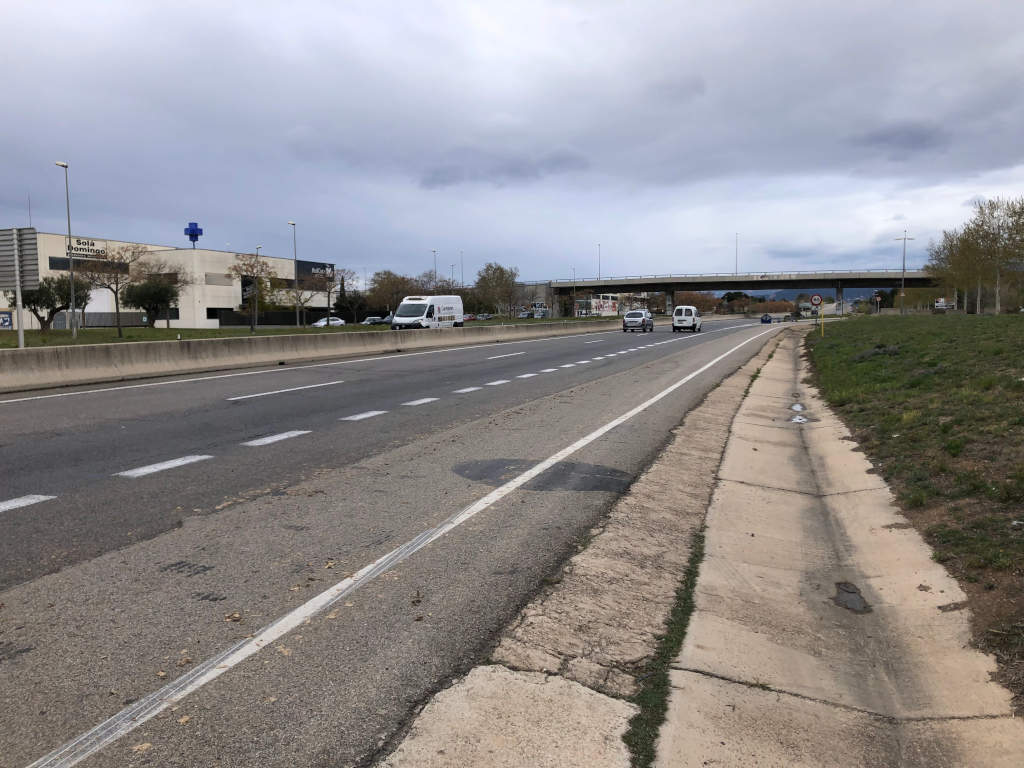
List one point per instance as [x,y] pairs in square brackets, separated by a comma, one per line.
[464,390]
[568,365]
[154,703]
[597,341]
[548,370]
[290,389]
[526,375]
[152,468]
[496,382]
[600,357]
[510,354]
[276,438]
[361,416]
[422,401]
[582,362]
[23,501]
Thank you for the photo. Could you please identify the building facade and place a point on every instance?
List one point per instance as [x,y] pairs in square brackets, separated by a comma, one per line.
[210,290]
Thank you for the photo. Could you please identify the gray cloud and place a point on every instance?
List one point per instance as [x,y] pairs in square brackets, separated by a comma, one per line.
[467,165]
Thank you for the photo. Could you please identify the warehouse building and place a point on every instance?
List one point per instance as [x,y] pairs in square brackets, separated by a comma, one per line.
[211,298]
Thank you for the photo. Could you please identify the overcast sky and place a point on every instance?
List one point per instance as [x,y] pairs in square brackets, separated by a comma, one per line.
[520,132]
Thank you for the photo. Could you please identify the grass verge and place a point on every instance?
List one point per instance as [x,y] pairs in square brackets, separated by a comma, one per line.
[937,403]
[652,698]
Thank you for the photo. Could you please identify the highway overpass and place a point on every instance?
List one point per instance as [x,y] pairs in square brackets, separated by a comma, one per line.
[833,281]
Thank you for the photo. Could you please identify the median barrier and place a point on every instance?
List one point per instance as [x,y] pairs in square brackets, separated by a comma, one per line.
[43,367]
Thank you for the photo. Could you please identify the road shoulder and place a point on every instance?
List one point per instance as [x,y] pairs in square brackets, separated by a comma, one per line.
[559,686]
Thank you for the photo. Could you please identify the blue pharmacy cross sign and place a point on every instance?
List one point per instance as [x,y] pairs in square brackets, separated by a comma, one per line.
[193,230]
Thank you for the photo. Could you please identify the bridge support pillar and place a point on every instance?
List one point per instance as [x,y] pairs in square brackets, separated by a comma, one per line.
[840,310]
[670,300]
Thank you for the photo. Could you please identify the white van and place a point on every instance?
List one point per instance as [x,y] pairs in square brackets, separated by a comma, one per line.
[428,312]
[684,317]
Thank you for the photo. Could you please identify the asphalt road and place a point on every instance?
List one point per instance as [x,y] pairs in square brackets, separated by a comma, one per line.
[147,528]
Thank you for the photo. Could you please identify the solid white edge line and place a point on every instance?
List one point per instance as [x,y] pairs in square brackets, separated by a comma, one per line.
[510,354]
[286,369]
[150,469]
[464,390]
[361,416]
[279,391]
[422,401]
[275,438]
[156,702]
[23,501]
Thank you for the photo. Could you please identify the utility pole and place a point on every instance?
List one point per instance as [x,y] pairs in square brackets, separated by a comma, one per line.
[573,291]
[254,321]
[452,278]
[903,275]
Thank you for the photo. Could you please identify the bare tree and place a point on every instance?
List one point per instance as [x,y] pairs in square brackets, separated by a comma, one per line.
[113,273]
[259,274]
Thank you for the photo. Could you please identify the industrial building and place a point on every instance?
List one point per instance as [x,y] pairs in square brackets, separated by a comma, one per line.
[210,296]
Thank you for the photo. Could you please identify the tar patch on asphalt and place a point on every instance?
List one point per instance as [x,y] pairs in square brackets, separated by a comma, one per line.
[563,476]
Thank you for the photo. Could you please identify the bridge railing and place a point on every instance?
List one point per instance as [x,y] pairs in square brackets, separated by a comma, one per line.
[755,275]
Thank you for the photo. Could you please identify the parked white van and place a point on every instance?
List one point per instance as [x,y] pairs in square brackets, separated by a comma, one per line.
[428,312]
[686,318]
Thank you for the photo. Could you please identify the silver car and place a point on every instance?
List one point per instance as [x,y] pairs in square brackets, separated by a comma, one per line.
[638,320]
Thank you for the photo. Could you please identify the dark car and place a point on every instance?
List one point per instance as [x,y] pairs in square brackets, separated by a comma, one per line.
[469,316]
[766,318]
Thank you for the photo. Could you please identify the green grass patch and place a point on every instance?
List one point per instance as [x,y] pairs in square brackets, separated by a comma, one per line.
[652,698]
[937,403]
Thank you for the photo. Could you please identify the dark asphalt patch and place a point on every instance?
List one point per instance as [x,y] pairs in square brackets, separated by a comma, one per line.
[564,476]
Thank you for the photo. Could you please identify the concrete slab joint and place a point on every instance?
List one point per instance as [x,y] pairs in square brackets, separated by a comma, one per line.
[811,643]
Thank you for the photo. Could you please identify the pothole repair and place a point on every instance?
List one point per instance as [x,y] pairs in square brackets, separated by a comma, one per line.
[848,596]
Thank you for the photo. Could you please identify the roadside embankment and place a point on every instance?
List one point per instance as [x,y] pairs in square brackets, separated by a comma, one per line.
[584,661]
[40,367]
[824,633]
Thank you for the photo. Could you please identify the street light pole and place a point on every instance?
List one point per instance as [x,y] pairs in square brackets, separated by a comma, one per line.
[71,255]
[598,261]
[434,250]
[573,291]
[737,253]
[452,278]
[903,275]
[295,259]
[462,271]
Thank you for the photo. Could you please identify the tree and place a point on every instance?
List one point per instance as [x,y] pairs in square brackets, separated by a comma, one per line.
[52,297]
[351,303]
[331,284]
[114,273]
[157,288]
[496,286]
[704,301]
[255,275]
[388,288]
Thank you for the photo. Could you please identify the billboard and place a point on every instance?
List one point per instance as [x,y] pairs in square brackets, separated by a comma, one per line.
[313,271]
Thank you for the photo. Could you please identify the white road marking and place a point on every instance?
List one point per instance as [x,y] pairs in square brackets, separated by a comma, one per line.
[276,438]
[526,375]
[152,468]
[290,389]
[496,382]
[510,354]
[466,389]
[156,702]
[599,358]
[568,365]
[23,501]
[582,362]
[597,341]
[361,416]
[422,401]
[548,370]
[286,369]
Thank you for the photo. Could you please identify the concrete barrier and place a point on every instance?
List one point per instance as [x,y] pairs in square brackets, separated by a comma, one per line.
[42,367]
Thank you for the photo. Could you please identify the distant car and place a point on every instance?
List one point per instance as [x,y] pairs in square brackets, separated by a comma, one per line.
[686,318]
[638,320]
[372,321]
[470,316]
[323,322]
[523,315]
[484,316]
[766,318]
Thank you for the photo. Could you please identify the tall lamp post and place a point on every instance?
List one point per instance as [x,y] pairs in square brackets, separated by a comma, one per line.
[71,255]
[573,291]
[598,261]
[295,258]
[903,275]
[434,251]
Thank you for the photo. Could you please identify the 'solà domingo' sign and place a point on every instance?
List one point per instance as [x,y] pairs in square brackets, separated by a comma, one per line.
[82,247]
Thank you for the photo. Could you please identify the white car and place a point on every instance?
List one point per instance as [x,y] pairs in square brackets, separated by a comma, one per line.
[323,322]
[686,318]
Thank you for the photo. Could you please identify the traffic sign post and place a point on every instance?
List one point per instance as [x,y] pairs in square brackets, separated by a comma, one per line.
[19,268]
[816,303]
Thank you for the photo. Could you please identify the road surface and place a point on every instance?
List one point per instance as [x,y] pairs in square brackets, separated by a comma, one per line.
[147,530]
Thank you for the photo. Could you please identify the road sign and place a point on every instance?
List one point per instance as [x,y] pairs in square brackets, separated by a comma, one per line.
[816,299]
[28,263]
[6,321]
